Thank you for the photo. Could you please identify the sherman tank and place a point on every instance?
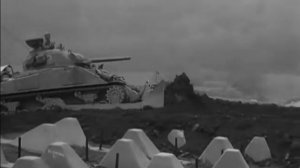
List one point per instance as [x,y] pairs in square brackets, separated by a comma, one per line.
[53,76]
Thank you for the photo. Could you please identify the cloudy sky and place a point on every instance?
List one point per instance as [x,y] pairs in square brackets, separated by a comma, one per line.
[252,46]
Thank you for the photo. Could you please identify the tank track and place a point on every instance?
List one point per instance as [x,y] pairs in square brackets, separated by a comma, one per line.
[53,98]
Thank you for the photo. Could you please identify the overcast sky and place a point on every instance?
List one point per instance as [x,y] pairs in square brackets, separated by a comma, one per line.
[243,42]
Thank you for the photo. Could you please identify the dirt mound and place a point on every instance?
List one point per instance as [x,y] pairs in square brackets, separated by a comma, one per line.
[180,90]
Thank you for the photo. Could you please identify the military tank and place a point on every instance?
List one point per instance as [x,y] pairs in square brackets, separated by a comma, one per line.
[54,77]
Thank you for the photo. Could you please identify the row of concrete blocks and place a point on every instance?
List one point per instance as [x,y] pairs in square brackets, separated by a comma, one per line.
[257,151]
[218,154]
[57,155]
[135,149]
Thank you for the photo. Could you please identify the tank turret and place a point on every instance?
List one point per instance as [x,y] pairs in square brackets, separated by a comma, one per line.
[47,56]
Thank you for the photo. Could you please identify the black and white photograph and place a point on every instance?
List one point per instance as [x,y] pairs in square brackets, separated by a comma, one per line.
[150,84]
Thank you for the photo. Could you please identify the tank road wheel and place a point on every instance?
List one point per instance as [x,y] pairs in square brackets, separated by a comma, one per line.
[8,107]
[87,98]
[51,103]
[115,95]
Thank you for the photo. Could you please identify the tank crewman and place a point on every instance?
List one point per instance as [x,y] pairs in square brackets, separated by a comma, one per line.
[34,58]
[104,74]
[48,44]
[6,74]
[31,59]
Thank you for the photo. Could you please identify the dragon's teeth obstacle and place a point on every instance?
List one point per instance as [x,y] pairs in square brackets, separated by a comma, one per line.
[142,141]
[177,135]
[39,138]
[30,162]
[61,155]
[258,149]
[128,153]
[57,155]
[70,131]
[231,158]
[165,160]
[214,150]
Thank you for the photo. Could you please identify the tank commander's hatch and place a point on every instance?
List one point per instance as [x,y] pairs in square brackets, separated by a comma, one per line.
[35,43]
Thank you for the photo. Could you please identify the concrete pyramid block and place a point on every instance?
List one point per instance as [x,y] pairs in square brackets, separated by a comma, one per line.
[231,158]
[130,155]
[61,155]
[142,141]
[30,162]
[70,131]
[258,149]
[165,160]
[39,138]
[214,150]
[179,134]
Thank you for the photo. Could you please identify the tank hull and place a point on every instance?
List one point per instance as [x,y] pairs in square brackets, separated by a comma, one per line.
[40,99]
[52,78]
[66,85]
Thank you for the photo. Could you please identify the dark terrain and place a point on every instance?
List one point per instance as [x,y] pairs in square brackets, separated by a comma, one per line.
[201,117]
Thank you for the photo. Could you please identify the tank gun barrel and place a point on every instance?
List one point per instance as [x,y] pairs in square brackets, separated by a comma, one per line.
[109,59]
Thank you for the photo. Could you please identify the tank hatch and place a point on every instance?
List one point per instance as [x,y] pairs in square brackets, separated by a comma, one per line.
[35,43]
